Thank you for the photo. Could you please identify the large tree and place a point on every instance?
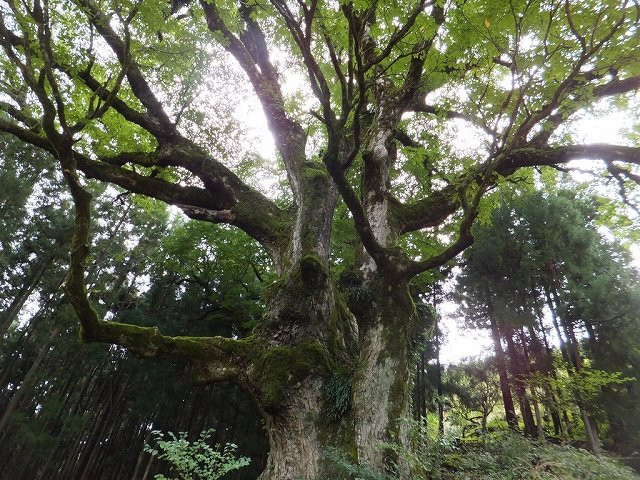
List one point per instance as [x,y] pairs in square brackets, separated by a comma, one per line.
[139,94]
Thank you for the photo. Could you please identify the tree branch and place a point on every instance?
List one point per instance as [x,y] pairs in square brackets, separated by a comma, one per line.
[244,207]
[428,212]
[215,358]
[139,85]
[465,238]
[420,106]
[532,157]
[289,136]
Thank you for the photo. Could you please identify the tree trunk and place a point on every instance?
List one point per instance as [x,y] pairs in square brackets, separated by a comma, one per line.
[529,370]
[571,354]
[295,434]
[381,387]
[306,409]
[26,382]
[544,364]
[11,314]
[517,372]
[536,409]
[505,388]
[420,386]
[439,381]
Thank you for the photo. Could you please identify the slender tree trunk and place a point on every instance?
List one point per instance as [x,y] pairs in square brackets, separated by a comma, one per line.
[26,382]
[544,363]
[536,409]
[505,388]
[529,371]
[11,314]
[517,372]
[571,354]
[141,456]
[147,469]
[420,400]
[439,381]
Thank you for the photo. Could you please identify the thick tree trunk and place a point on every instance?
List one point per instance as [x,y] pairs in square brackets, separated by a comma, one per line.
[304,410]
[381,387]
[295,437]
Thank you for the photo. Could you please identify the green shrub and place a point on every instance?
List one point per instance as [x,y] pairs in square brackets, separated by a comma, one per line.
[195,460]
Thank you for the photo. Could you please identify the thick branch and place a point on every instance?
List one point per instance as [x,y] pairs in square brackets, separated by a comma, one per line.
[289,136]
[428,212]
[532,157]
[242,206]
[225,200]
[464,240]
[465,237]
[217,358]
[214,358]
[617,87]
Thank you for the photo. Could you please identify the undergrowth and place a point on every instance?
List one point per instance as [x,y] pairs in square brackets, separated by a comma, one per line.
[500,456]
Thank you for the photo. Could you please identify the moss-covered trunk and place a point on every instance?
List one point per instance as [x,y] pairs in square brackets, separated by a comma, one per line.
[381,385]
[300,379]
[327,384]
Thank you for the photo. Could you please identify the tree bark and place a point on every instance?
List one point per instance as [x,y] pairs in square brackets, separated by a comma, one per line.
[505,387]
[517,372]
[26,382]
[29,285]
[571,354]
[439,381]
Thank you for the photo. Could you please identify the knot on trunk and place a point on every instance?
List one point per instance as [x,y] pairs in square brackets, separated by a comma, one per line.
[313,272]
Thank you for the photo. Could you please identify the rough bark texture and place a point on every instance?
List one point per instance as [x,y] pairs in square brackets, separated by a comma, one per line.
[294,434]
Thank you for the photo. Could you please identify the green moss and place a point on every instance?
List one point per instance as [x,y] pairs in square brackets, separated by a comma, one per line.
[271,290]
[278,368]
[316,180]
[314,171]
[148,341]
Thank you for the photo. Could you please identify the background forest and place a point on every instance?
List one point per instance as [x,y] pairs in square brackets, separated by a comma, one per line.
[549,277]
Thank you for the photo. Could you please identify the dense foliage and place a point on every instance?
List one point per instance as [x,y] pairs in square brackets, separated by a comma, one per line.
[67,408]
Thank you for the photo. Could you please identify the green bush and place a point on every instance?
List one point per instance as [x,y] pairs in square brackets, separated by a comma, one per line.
[195,460]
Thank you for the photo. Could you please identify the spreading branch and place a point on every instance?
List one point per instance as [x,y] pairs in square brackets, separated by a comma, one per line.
[215,358]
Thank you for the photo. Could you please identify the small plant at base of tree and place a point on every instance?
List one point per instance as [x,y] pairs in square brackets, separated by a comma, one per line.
[197,459]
